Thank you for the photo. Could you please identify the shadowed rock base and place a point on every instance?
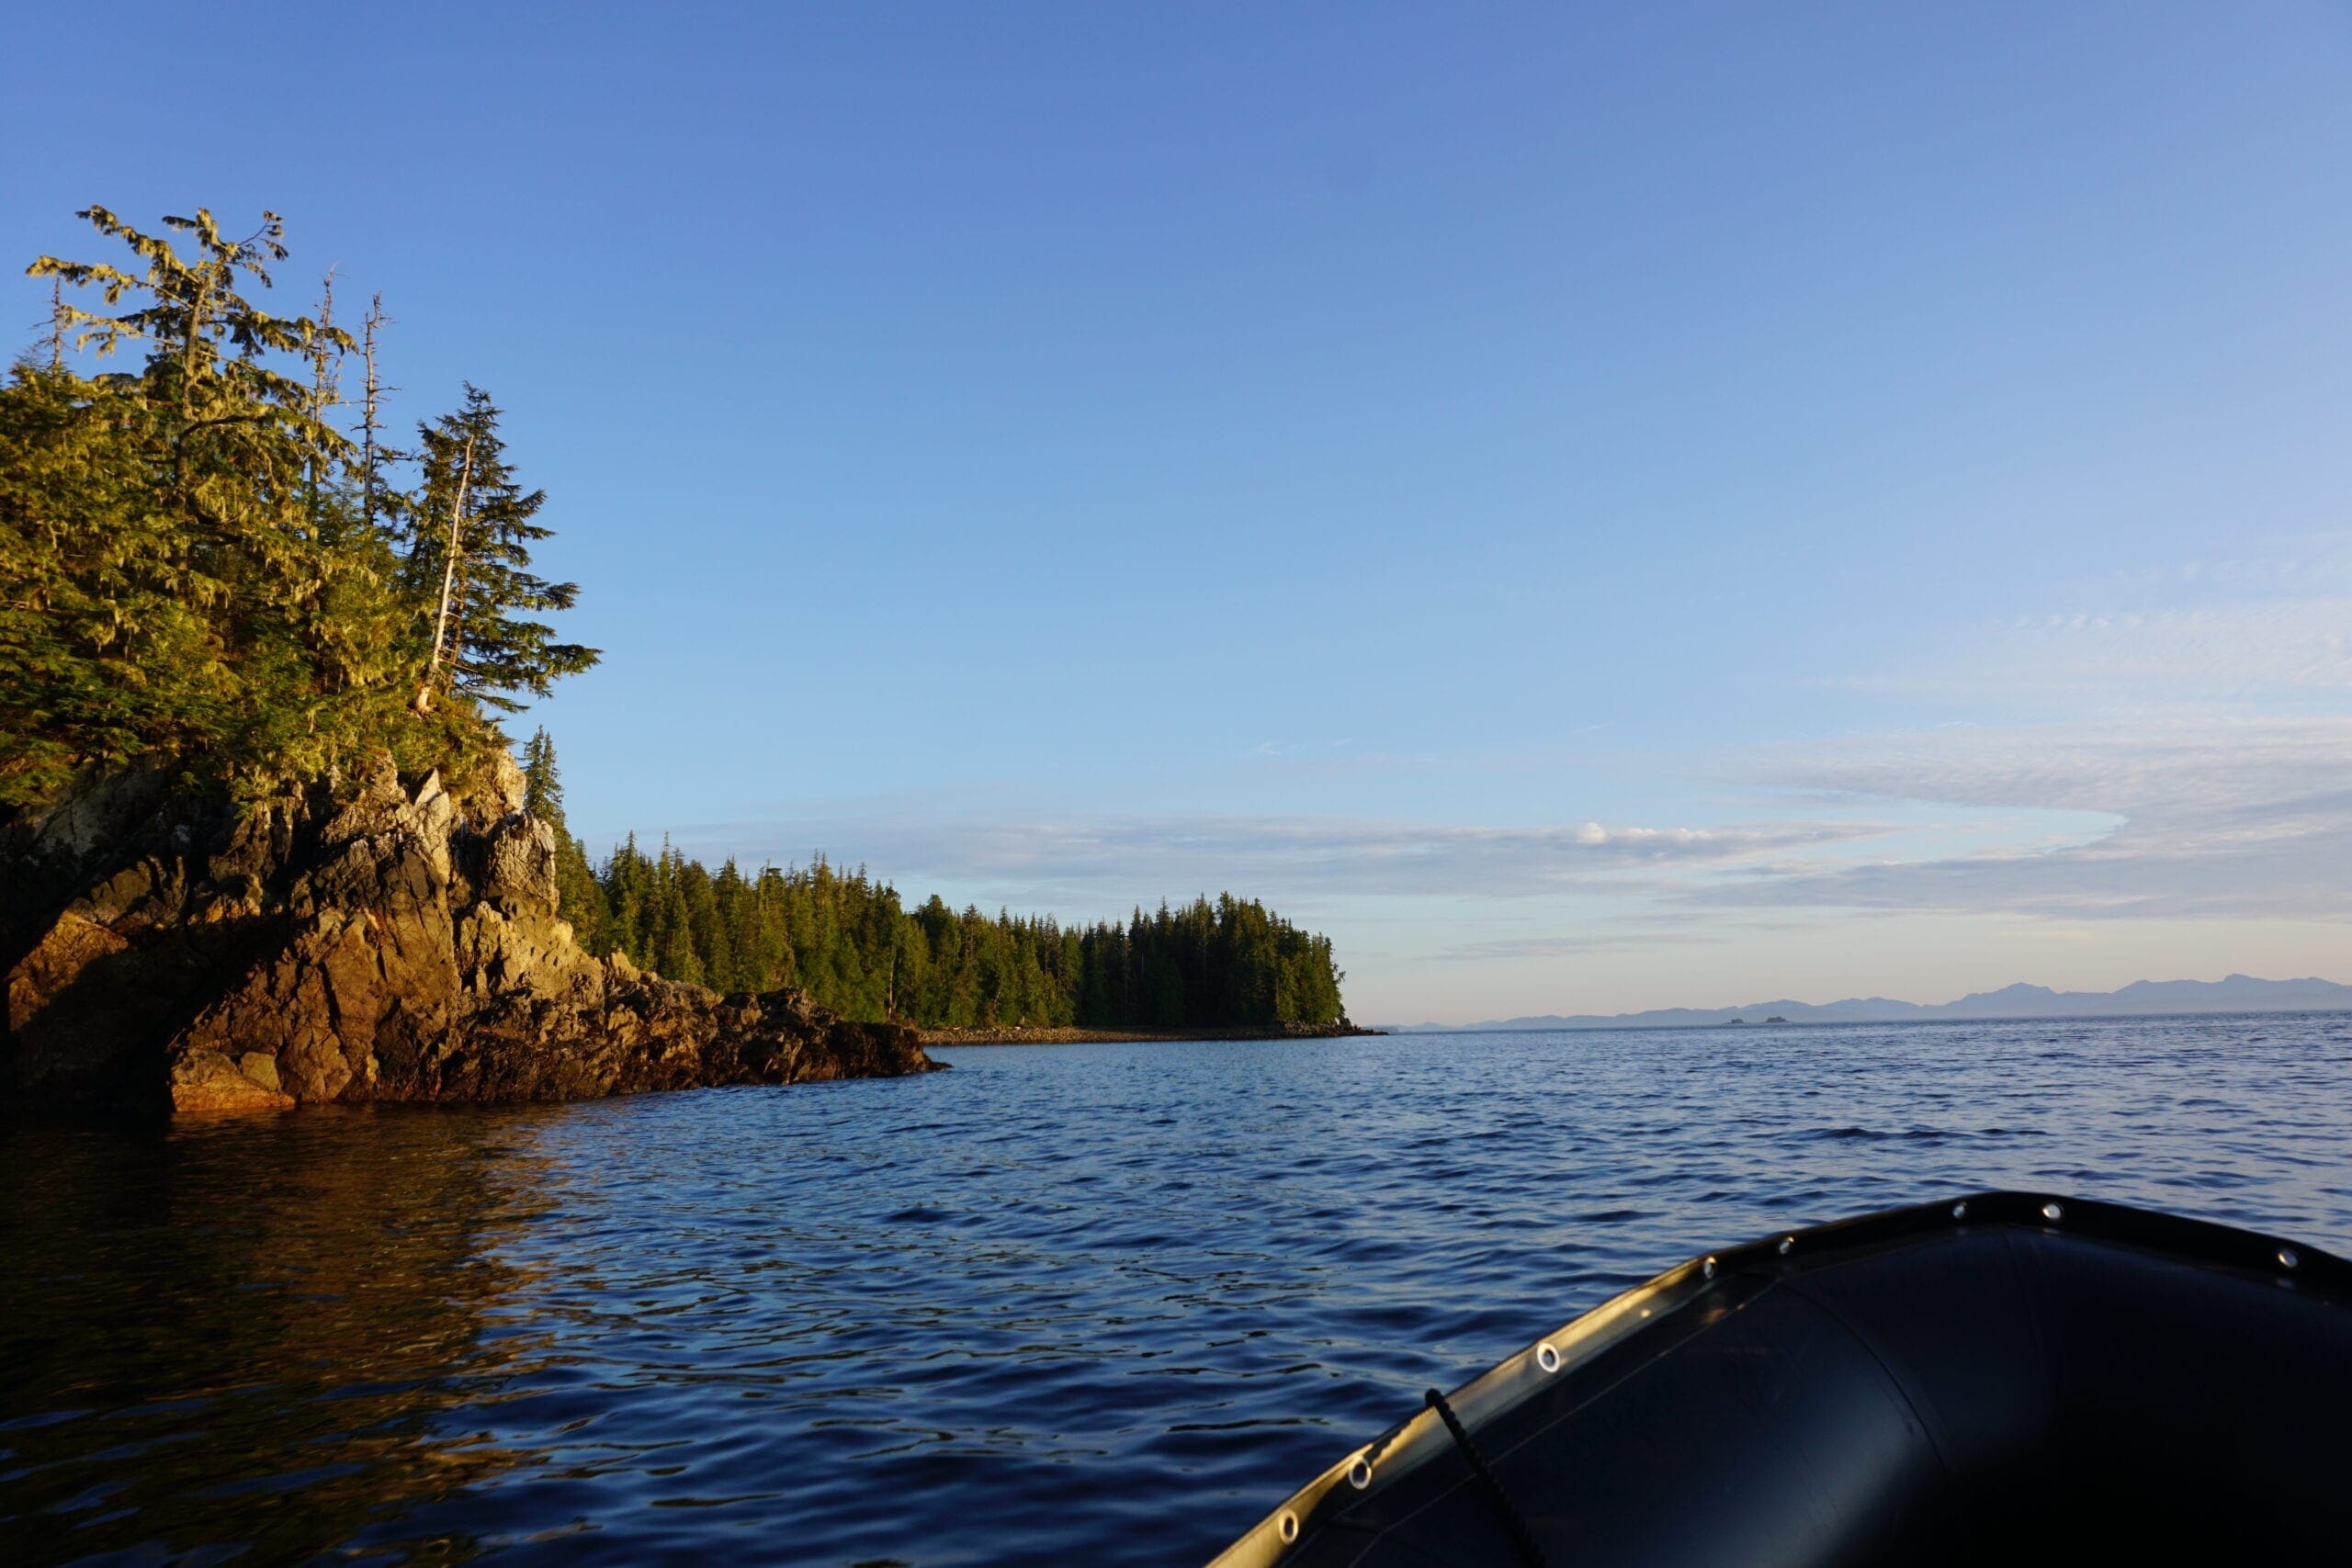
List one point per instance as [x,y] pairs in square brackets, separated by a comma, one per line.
[400,944]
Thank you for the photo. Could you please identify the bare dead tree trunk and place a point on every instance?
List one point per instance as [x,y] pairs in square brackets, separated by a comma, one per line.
[370,449]
[56,324]
[324,390]
[449,582]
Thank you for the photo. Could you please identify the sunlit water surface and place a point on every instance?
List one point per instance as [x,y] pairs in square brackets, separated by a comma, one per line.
[1103,1303]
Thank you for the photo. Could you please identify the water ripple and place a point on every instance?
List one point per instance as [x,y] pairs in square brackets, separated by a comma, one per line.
[1094,1302]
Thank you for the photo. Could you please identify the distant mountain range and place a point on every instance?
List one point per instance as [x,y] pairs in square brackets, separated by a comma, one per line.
[2239,993]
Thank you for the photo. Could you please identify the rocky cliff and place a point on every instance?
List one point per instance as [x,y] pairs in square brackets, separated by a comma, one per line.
[395,943]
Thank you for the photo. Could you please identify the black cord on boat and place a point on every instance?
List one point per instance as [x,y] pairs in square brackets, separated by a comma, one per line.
[1521,1537]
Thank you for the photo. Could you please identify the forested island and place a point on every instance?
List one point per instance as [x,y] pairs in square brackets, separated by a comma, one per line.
[263,838]
[848,941]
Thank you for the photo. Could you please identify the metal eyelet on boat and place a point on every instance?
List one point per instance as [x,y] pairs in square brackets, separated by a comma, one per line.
[1960,1211]
[1360,1473]
[2052,1213]
[1287,1526]
[1788,1244]
[1708,1268]
[2289,1257]
[1547,1358]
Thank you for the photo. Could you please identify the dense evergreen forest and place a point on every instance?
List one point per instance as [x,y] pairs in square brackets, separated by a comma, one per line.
[848,941]
[216,559]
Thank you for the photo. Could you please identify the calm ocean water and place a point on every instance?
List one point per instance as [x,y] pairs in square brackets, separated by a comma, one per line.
[1106,1303]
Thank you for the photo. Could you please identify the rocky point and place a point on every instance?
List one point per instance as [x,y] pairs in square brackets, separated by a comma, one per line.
[393,941]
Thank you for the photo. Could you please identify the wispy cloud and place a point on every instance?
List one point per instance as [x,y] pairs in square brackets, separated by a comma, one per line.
[2182,761]
[2223,651]
[2229,649]
[2216,818]
[1180,854]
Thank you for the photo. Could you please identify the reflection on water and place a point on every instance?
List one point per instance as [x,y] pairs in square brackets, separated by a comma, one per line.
[1093,1303]
[244,1334]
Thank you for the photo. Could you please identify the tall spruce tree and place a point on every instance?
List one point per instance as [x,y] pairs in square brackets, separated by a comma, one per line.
[470,536]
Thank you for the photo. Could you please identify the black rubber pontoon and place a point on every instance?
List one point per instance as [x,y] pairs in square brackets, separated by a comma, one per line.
[2006,1378]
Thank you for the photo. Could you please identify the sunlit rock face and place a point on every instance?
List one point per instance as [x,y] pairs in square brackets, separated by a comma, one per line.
[401,942]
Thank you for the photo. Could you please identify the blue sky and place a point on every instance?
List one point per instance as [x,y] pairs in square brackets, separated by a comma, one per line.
[1595,508]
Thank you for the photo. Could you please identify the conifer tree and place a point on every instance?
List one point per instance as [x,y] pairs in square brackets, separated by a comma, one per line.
[542,785]
[471,533]
[580,899]
[673,954]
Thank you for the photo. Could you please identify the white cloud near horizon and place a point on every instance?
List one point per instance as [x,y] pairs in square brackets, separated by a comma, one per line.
[1177,855]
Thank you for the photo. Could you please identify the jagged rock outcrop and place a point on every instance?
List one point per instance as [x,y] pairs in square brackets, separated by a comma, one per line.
[397,944]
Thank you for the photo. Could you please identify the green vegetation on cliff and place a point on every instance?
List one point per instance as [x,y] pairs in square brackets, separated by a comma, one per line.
[204,567]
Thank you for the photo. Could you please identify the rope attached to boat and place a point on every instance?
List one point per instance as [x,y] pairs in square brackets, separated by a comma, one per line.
[1521,1537]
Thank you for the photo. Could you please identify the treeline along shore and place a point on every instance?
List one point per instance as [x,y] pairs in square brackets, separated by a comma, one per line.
[849,942]
[263,842]
[1040,1034]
